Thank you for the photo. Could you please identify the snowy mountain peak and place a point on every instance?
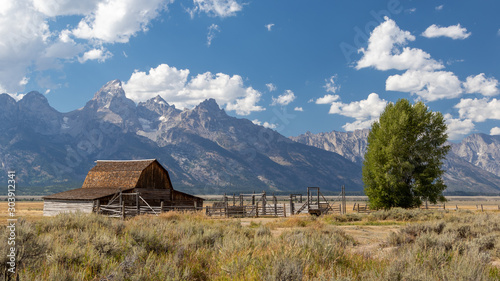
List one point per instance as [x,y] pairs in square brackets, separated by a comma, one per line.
[111,90]
[158,99]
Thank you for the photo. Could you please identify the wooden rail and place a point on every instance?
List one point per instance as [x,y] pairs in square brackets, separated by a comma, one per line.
[361,208]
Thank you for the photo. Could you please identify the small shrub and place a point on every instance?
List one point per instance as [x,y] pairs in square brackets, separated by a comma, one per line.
[263,231]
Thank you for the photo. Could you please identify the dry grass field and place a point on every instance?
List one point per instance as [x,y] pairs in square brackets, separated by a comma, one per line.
[385,245]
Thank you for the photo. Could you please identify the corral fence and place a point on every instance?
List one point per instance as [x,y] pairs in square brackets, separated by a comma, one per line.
[361,208]
[264,205]
[117,208]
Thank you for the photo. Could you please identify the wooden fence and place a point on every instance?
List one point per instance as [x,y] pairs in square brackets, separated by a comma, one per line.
[268,210]
[361,208]
[117,208]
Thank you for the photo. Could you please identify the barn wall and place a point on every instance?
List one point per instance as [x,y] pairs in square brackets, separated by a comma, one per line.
[154,177]
[154,195]
[180,199]
[54,207]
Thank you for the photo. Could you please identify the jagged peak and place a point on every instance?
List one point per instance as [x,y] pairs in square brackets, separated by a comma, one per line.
[113,84]
[210,105]
[111,89]
[159,100]
[6,98]
[34,96]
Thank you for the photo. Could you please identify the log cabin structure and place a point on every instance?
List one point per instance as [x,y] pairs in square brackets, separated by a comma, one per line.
[133,186]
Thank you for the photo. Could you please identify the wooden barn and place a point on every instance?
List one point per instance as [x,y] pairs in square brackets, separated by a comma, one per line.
[129,187]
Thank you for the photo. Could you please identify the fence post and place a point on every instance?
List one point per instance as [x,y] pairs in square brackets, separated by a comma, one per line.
[264,203]
[482,208]
[98,207]
[291,205]
[426,207]
[284,210]
[444,206]
[358,208]
[354,207]
[137,203]
[253,198]
[257,210]
[275,201]
[161,206]
[123,210]
[456,207]
[226,209]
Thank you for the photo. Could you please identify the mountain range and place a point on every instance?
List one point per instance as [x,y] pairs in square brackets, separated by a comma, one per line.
[472,166]
[204,149]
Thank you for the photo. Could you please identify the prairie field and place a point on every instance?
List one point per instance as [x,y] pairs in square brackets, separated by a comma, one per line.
[396,244]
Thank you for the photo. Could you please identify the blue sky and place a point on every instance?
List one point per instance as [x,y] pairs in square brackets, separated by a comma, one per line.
[293,66]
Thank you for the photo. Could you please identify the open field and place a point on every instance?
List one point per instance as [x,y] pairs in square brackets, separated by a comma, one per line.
[33,210]
[385,245]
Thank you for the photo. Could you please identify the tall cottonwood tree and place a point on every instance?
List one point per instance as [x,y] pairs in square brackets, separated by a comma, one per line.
[402,165]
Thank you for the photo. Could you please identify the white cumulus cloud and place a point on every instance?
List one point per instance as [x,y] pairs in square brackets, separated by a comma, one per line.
[246,104]
[429,85]
[386,50]
[53,8]
[458,128]
[452,31]
[327,99]
[175,86]
[364,111]
[101,55]
[298,108]
[216,8]
[265,124]
[24,34]
[286,98]
[479,110]
[117,20]
[481,84]
[371,108]
[358,125]
[495,131]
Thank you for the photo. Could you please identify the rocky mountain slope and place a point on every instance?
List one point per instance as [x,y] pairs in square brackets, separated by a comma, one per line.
[204,149]
[481,150]
[472,166]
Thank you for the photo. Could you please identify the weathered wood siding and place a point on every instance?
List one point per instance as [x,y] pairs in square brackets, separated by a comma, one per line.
[154,177]
[154,195]
[54,207]
[181,198]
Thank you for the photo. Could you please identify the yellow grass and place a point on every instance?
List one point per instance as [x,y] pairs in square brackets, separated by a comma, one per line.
[29,210]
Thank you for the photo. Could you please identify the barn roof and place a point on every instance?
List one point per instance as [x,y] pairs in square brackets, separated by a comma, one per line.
[122,174]
[83,194]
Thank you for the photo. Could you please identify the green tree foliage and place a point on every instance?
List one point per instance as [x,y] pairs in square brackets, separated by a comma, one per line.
[403,161]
